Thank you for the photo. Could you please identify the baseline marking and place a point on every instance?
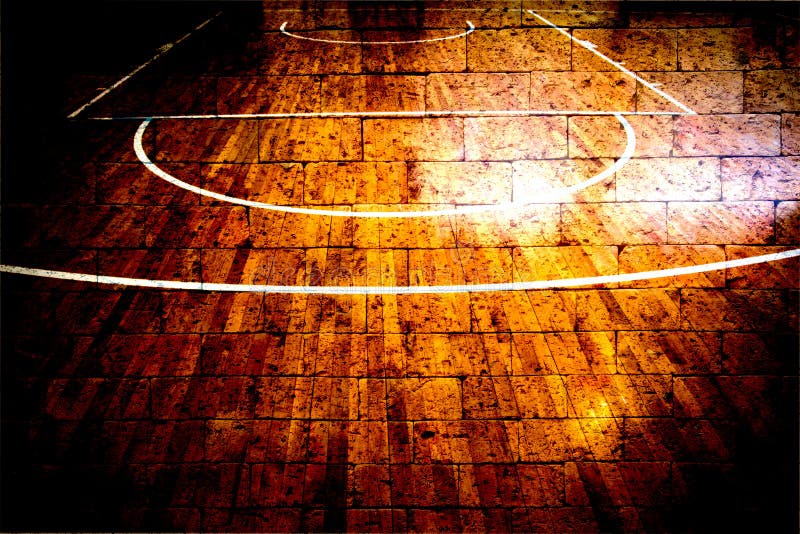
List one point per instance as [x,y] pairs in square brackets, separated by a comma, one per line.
[161,51]
[399,290]
[334,41]
[553,196]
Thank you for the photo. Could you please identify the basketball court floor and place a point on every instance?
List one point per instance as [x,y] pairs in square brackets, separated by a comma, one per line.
[442,266]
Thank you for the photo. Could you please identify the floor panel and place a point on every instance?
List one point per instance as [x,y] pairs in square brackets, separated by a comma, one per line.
[406,266]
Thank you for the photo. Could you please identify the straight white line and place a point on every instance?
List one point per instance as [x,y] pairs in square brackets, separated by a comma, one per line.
[161,51]
[385,114]
[414,41]
[440,113]
[400,290]
[591,47]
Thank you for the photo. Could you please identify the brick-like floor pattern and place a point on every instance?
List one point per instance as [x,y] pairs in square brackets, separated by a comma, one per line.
[667,404]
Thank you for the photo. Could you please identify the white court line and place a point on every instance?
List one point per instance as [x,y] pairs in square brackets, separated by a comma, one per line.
[444,113]
[334,41]
[550,196]
[398,290]
[560,283]
[591,47]
[161,51]
[387,114]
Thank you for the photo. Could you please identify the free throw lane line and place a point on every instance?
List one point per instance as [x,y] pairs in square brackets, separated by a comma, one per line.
[560,283]
[161,51]
[470,29]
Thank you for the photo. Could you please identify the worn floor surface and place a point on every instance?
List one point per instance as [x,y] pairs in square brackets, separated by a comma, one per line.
[653,404]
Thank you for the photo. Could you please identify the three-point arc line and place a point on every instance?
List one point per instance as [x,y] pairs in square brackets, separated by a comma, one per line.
[402,290]
[561,283]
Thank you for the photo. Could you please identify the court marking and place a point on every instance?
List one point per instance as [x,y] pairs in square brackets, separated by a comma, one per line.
[161,51]
[553,196]
[686,110]
[400,290]
[550,197]
[591,47]
[441,113]
[561,283]
[413,41]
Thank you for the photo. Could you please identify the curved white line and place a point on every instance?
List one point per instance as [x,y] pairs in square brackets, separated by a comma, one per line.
[334,41]
[400,290]
[553,197]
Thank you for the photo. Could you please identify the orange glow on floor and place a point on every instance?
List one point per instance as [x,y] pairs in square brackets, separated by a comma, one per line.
[183,346]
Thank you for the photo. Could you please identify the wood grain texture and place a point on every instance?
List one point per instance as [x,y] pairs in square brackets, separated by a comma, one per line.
[653,405]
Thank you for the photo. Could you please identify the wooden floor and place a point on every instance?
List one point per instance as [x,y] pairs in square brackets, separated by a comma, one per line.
[663,404]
